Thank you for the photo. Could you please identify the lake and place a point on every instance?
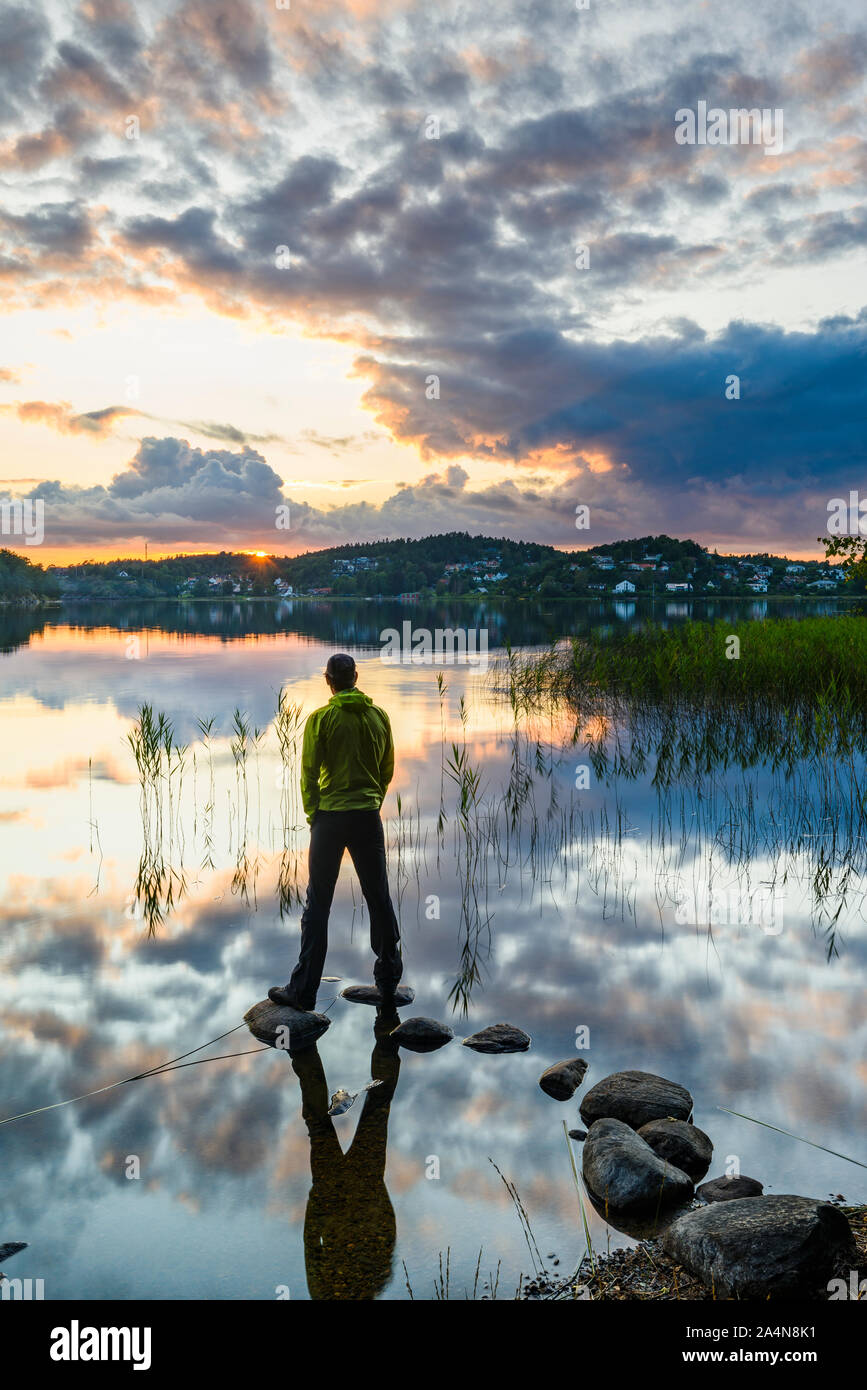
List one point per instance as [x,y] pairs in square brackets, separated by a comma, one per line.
[139,925]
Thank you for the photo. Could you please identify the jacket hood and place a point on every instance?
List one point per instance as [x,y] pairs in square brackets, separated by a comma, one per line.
[350,697]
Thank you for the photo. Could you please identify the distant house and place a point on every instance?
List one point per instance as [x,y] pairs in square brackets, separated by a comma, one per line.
[795,569]
[603,562]
[411,596]
[823,584]
[679,588]
[624,587]
[758,586]
[598,587]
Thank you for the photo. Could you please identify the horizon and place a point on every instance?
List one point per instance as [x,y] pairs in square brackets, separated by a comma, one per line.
[39,556]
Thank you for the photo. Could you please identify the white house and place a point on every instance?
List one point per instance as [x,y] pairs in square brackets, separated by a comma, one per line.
[679,588]
[624,587]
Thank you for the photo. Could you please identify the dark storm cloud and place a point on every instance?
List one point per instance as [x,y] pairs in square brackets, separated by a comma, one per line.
[657,406]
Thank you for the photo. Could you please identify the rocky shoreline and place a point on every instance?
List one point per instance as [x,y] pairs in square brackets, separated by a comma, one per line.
[645,1273]
[725,1238]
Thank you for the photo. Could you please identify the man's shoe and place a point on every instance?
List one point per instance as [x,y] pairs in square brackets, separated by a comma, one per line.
[282,994]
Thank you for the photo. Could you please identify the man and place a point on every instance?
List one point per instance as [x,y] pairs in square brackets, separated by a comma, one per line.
[347,762]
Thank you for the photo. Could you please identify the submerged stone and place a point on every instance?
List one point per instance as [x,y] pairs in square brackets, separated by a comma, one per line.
[422,1034]
[13,1248]
[289,1030]
[579,1135]
[369,994]
[562,1080]
[682,1144]
[499,1037]
[635,1097]
[780,1247]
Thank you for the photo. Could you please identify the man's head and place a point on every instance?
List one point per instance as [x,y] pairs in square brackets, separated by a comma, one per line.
[341,672]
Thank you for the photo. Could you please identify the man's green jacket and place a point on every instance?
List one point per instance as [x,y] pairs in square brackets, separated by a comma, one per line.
[347,760]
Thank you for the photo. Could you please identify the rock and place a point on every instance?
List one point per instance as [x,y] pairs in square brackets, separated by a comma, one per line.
[578,1135]
[623,1171]
[635,1097]
[369,994]
[290,1030]
[343,1100]
[500,1037]
[13,1248]
[645,1223]
[680,1144]
[729,1189]
[562,1080]
[422,1034]
[782,1246]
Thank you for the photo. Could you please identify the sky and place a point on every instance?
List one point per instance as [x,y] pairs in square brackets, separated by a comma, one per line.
[408,267]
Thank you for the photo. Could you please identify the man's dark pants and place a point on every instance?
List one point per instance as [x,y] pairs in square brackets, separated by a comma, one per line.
[330,834]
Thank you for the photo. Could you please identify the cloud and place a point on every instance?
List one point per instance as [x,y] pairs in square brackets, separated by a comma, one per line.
[171,493]
[59,415]
[455,256]
[641,432]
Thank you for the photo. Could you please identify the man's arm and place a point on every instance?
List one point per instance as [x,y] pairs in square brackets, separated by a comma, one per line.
[386,762]
[311,762]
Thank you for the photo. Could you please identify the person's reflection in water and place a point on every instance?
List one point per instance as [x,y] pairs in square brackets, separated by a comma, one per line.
[349,1226]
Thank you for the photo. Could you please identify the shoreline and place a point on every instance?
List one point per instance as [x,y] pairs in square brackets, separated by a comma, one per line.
[643,1273]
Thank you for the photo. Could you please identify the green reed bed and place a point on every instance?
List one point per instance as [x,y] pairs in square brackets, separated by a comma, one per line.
[788,660]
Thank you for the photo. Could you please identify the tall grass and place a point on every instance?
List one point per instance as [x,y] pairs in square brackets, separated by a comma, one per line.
[788,661]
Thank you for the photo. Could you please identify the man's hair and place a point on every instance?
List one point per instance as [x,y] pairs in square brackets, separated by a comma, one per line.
[341,671]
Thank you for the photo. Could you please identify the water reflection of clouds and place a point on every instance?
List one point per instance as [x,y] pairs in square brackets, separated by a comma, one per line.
[756,1022]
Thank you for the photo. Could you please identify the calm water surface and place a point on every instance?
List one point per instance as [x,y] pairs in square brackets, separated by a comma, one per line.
[569,917]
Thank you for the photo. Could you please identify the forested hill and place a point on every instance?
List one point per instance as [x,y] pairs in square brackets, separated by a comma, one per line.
[455,562]
[452,564]
[22,581]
